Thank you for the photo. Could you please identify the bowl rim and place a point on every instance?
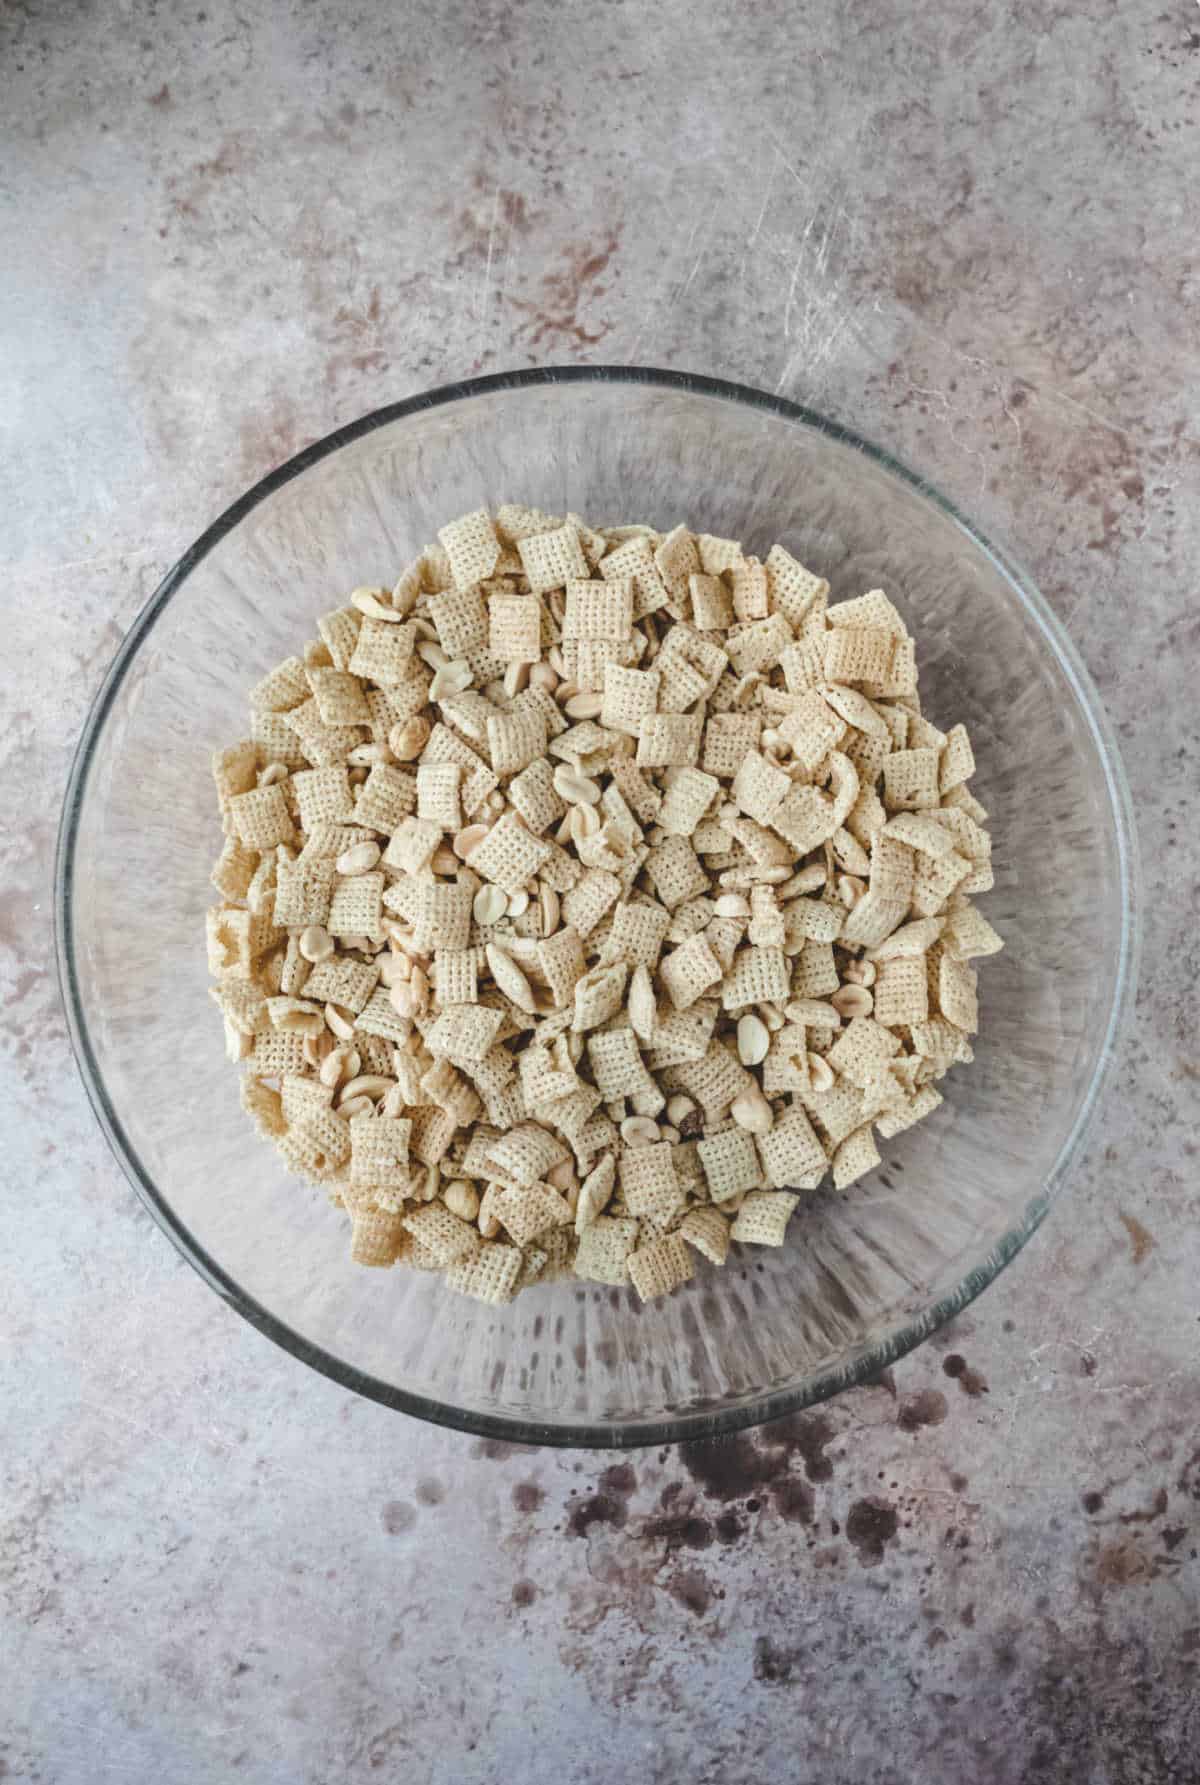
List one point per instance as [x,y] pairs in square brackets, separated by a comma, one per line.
[772,1403]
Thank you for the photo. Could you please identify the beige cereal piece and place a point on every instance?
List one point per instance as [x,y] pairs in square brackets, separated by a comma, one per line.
[854,1158]
[689,972]
[634,558]
[589,900]
[910,780]
[553,559]
[385,799]
[675,871]
[677,559]
[760,787]
[812,729]
[861,1048]
[717,554]
[922,1104]
[749,585]
[659,1266]
[791,588]
[471,547]
[515,628]
[967,934]
[669,740]
[858,654]
[934,881]
[649,1186]
[302,892]
[759,646]
[526,1154]
[379,1149]
[730,1162]
[412,846]
[281,689]
[464,1033]
[616,1063]
[791,1152]
[561,960]
[455,975]
[901,995]
[447,1237]
[339,697]
[630,698]
[356,907]
[728,738]
[344,982]
[763,1217]
[604,1248]
[234,869]
[489,1276]
[461,618]
[688,796]
[708,1231]
[516,740]
[712,608]
[377,1237]
[383,653]
[598,996]
[438,800]
[261,818]
[599,610]
[956,764]
[533,795]
[323,796]
[872,609]
[759,976]
[509,855]
[957,993]
[479,779]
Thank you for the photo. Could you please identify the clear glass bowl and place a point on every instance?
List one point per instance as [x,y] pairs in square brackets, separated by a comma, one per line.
[865,1276]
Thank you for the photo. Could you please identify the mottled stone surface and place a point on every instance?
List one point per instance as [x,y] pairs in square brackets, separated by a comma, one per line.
[968,232]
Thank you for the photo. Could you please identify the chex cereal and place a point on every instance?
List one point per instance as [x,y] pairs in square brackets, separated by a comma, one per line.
[592,897]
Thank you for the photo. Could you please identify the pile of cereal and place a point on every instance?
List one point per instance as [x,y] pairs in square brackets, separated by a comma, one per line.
[589,896]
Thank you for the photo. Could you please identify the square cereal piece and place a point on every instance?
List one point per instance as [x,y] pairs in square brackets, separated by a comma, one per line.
[529,1210]
[727,739]
[935,880]
[617,1064]
[791,1152]
[319,742]
[471,546]
[910,780]
[455,975]
[413,846]
[901,991]
[386,798]
[383,652]
[478,778]
[712,609]
[675,870]
[515,628]
[339,630]
[637,934]
[234,869]
[235,770]
[861,1049]
[659,1267]
[464,1033]
[490,1275]
[708,1231]
[873,919]
[560,958]
[261,818]
[805,818]
[598,996]
[677,559]
[516,740]
[599,610]
[856,1156]
[379,1150]
[669,740]
[957,993]
[276,1053]
[324,796]
[356,908]
[730,1162]
[302,892]
[689,793]
[717,554]
[649,1185]
[748,583]
[282,688]
[715,1080]
[893,866]
[442,1233]
[634,558]
[461,619]
[604,1248]
[526,1153]
[763,1218]
[509,855]
[552,560]
[895,1121]
[871,609]
[399,700]
[339,697]
[957,761]
[760,645]
[344,982]
[377,1237]
[967,934]
[630,698]
[589,900]
[759,976]
[514,521]
[760,787]
[689,971]
[812,729]
[791,589]
[858,654]
[438,794]
[533,794]
[443,916]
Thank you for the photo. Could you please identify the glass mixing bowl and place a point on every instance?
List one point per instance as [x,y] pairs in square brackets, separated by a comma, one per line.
[865,1275]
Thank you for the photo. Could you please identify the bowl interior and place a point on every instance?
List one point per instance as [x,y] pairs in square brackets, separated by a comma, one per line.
[864,1274]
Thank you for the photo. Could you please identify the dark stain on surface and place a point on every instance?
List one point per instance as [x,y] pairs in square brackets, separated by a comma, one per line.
[773,1663]
[527,1496]
[430,1492]
[1147,1514]
[1092,1502]
[498,1450]
[1123,1564]
[619,1479]
[729,1527]
[398,1516]
[692,1591]
[871,1525]
[960,1483]
[1141,1240]
[524,1593]
[566,291]
[794,1500]
[596,1509]
[679,1530]
[969,1380]
[928,1408]
[161,98]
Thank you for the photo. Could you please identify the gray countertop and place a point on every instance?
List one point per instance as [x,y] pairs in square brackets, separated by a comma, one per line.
[967,232]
